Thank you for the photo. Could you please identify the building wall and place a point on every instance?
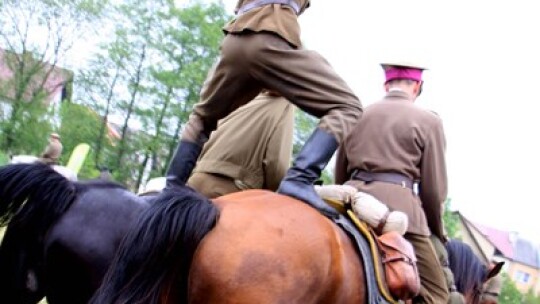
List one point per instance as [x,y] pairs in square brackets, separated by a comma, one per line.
[537,285]
[525,277]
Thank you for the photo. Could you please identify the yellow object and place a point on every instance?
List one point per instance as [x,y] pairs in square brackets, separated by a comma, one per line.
[77,157]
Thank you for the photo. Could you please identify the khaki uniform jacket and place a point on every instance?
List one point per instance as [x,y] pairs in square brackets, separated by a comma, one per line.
[395,135]
[53,151]
[275,18]
[252,145]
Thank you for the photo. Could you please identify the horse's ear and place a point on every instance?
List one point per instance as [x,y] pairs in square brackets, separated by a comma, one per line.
[494,270]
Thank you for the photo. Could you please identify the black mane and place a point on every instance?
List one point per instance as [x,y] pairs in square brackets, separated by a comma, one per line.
[160,246]
[469,272]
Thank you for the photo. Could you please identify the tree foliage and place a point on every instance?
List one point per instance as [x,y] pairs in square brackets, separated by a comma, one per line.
[35,36]
[531,297]
[451,220]
[509,292]
[131,99]
[80,124]
[145,80]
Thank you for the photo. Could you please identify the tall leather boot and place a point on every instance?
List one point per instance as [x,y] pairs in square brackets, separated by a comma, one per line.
[182,164]
[307,168]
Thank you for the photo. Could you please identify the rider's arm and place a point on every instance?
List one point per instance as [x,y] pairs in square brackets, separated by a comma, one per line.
[434,183]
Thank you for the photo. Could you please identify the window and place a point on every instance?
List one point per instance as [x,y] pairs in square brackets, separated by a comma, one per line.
[521,277]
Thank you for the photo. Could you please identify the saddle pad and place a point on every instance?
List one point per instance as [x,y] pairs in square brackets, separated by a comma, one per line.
[365,243]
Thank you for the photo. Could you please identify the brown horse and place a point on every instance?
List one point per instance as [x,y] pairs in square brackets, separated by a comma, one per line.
[470,272]
[249,247]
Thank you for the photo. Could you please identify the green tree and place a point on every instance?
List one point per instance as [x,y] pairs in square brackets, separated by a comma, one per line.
[450,219]
[4,159]
[32,61]
[509,292]
[98,93]
[79,124]
[304,125]
[531,297]
[190,45]
[150,73]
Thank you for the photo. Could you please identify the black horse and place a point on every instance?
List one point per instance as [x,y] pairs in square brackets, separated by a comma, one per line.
[61,236]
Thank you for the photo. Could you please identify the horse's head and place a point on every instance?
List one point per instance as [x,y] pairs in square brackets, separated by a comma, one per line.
[470,272]
[493,285]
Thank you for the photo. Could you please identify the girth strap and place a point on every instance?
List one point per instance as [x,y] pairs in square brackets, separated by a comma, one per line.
[259,3]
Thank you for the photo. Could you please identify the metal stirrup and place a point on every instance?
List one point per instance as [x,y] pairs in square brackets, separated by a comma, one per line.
[258,3]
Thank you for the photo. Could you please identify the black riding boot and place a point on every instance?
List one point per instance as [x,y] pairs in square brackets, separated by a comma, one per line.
[182,164]
[307,168]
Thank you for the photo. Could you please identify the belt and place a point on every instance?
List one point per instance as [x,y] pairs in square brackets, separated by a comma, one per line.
[386,177]
[258,3]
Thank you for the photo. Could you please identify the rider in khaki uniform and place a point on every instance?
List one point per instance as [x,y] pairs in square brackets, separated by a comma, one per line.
[250,149]
[395,145]
[262,50]
[53,151]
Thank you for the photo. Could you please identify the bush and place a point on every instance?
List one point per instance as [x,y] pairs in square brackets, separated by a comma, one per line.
[509,292]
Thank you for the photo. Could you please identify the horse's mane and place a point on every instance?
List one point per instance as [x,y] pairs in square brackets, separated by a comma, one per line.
[32,198]
[30,194]
[158,248]
[469,271]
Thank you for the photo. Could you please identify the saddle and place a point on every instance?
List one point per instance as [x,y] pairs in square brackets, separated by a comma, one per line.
[389,260]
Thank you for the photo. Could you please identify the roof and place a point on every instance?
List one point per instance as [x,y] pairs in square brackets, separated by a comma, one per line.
[511,245]
[499,238]
[526,253]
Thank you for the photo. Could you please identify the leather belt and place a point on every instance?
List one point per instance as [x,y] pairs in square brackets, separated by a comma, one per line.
[386,177]
[258,3]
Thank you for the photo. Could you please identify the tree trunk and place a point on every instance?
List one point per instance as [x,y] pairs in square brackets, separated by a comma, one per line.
[136,84]
[105,119]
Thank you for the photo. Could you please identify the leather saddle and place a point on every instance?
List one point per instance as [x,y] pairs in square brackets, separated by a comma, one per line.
[376,252]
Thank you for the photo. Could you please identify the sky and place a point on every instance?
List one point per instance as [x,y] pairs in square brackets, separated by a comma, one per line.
[484,70]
